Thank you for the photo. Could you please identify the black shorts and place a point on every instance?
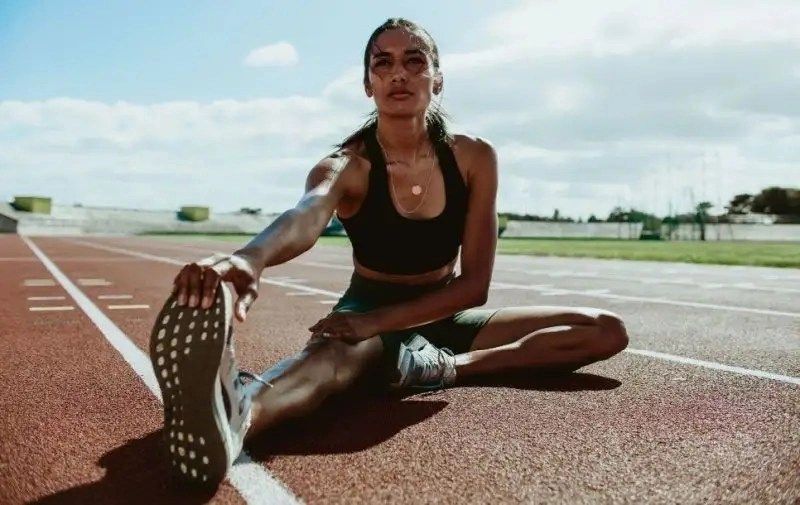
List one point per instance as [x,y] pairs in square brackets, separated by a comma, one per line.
[455,332]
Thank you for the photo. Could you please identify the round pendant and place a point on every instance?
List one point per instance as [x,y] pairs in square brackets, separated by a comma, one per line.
[416,189]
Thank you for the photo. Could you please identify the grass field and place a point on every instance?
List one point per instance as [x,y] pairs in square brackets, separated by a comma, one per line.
[773,254]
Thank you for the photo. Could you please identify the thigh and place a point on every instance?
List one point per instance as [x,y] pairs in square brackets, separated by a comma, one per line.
[458,331]
[510,324]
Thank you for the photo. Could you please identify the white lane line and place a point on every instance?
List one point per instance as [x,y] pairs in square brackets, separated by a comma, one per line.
[115,297]
[123,307]
[634,276]
[295,293]
[644,299]
[252,480]
[93,282]
[173,261]
[653,354]
[44,298]
[328,302]
[54,308]
[17,259]
[545,289]
[716,366]
[39,282]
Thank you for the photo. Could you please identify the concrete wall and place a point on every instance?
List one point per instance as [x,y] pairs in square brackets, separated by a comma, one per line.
[582,230]
[67,220]
[767,232]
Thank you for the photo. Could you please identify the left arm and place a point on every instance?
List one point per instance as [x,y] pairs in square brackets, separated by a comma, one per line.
[471,287]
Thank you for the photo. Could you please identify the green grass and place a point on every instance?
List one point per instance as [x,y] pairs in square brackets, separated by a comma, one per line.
[773,254]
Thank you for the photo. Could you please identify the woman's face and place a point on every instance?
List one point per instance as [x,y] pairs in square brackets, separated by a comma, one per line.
[401,73]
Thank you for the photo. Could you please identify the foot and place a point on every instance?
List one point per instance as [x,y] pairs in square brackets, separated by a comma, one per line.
[207,406]
[422,365]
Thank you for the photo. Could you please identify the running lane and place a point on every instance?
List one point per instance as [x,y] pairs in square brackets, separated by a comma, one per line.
[78,425]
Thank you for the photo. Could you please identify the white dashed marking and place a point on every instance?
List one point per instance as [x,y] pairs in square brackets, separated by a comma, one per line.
[93,282]
[115,297]
[46,309]
[125,307]
[45,298]
[39,282]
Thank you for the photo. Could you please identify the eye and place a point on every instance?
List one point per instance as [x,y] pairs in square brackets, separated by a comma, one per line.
[380,62]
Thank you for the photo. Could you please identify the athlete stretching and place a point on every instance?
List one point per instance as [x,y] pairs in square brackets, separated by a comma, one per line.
[409,194]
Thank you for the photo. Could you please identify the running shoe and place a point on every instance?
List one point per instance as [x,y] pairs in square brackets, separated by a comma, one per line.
[207,403]
[422,365]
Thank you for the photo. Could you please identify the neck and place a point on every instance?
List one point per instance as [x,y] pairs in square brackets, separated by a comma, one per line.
[402,135]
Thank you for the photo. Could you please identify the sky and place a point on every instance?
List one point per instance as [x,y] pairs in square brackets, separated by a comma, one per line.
[653,105]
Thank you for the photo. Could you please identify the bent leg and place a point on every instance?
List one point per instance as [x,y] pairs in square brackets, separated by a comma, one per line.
[543,338]
[324,367]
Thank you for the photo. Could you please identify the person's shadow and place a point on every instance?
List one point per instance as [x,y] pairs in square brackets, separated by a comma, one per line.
[347,423]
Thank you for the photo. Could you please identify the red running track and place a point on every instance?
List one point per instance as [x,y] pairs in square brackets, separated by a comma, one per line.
[79,425]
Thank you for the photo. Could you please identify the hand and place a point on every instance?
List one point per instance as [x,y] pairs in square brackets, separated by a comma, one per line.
[348,326]
[197,282]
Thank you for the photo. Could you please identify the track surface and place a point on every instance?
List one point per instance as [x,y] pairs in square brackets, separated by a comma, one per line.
[80,426]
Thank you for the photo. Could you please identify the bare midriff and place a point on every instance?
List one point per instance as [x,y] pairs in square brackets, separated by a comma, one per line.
[423,278]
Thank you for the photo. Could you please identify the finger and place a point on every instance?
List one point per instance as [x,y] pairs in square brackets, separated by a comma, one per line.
[243,304]
[182,287]
[210,282]
[195,276]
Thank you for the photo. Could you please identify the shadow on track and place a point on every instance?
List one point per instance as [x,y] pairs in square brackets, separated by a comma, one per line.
[364,418]
[546,381]
[135,473]
[352,422]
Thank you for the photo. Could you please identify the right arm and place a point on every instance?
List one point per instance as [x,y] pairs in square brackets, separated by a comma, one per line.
[292,233]
[298,229]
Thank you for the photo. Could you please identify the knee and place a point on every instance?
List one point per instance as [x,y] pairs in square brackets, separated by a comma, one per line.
[614,335]
[332,358]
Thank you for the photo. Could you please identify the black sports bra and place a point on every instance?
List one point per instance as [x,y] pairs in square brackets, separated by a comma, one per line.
[385,241]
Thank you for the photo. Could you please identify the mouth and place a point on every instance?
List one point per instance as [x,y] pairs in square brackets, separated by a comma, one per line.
[400,95]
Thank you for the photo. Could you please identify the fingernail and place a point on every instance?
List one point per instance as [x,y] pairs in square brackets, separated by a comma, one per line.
[193,300]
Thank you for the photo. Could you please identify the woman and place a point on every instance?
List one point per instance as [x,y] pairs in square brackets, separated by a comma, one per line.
[409,193]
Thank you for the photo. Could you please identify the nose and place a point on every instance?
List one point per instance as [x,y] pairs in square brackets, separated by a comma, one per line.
[399,73]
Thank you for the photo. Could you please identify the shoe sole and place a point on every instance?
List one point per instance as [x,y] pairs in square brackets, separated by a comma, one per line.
[186,348]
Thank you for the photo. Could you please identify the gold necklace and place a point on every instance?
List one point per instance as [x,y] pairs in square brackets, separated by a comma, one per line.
[415,189]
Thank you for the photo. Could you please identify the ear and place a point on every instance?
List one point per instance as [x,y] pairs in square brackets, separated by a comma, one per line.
[438,83]
[368,89]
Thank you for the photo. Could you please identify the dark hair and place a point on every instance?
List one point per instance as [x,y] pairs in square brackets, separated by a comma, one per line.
[435,117]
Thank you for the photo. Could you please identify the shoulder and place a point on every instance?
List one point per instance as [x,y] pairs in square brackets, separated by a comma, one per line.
[477,154]
[344,166]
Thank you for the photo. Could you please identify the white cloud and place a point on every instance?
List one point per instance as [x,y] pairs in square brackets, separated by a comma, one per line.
[590,105]
[274,55]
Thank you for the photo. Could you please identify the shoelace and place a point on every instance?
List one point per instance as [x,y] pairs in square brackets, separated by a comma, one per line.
[434,370]
[252,376]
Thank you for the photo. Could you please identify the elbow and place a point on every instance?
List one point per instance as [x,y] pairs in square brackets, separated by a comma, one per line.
[480,298]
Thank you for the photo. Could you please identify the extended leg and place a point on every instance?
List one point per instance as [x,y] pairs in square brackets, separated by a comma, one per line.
[324,367]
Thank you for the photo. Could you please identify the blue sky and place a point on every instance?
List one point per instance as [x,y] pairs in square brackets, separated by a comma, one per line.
[152,51]
[590,105]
